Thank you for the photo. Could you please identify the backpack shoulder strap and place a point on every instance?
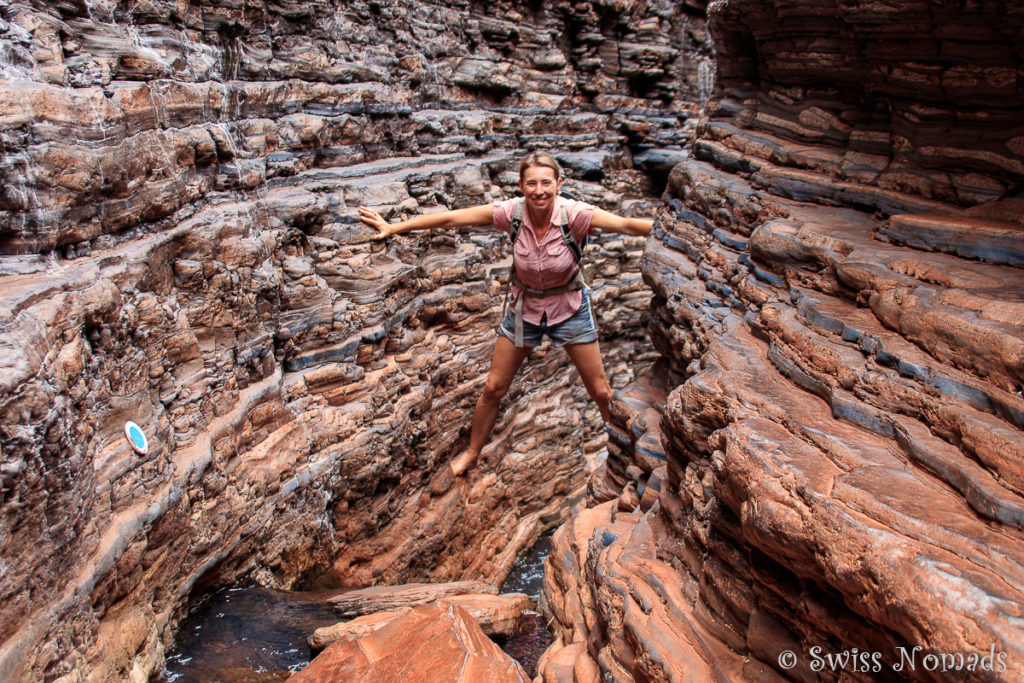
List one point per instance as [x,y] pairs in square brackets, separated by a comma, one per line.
[570,241]
[516,221]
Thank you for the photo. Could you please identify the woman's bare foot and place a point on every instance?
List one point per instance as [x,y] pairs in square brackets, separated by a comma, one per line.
[464,462]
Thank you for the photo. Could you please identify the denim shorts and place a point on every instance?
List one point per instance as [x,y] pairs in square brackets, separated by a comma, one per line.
[579,329]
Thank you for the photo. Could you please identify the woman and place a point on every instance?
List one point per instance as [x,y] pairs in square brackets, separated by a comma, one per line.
[545,299]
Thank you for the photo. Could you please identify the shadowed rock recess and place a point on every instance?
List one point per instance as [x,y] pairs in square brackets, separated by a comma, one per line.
[828,458]
[178,183]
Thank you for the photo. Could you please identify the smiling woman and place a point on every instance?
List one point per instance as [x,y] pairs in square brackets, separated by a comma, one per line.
[548,295]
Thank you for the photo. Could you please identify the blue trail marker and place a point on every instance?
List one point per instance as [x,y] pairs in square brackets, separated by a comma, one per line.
[136,437]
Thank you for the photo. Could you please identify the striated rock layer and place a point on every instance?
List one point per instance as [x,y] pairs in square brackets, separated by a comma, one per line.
[177,193]
[171,104]
[828,458]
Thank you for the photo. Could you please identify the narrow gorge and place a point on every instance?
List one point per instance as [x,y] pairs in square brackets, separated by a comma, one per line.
[815,465]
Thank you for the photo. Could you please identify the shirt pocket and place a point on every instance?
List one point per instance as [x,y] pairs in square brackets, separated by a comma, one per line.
[560,264]
[522,254]
[555,249]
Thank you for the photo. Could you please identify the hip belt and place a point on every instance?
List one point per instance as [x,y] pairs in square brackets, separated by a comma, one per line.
[578,282]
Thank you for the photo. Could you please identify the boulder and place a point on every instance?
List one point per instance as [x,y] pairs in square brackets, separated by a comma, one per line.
[439,642]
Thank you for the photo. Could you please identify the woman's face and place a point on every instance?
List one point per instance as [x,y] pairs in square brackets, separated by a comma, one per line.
[540,186]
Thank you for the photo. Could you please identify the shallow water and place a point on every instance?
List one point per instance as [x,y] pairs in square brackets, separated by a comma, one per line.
[531,637]
[254,634]
[527,573]
[247,635]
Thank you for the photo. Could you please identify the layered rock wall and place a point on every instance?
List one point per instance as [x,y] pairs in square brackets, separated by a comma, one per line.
[178,191]
[874,105]
[121,114]
[827,459]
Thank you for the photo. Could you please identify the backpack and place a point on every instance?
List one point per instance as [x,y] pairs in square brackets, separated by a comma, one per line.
[578,282]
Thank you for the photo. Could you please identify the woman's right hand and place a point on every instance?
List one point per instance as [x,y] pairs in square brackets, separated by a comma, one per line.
[372,218]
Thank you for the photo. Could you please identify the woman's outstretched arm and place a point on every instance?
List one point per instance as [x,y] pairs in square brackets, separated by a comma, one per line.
[474,215]
[603,220]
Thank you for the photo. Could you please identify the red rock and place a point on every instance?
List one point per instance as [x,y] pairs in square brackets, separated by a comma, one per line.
[383,598]
[360,627]
[497,615]
[845,344]
[429,643]
[970,237]
[842,456]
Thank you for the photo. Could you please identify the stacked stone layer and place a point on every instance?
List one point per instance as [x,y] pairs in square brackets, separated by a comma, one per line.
[120,116]
[870,100]
[178,209]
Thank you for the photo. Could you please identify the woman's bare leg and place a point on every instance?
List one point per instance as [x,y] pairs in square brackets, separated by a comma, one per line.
[504,365]
[587,359]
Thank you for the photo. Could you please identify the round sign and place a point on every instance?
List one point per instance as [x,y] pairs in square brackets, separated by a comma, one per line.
[136,437]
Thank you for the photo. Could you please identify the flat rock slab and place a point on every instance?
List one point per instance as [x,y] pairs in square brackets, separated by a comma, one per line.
[497,615]
[384,598]
[972,237]
[360,627]
[438,642]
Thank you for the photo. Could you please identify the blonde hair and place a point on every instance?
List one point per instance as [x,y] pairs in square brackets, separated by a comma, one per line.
[538,158]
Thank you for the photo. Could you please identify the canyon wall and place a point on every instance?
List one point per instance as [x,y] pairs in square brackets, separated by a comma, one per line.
[178,183]
[824,452]
[821,478]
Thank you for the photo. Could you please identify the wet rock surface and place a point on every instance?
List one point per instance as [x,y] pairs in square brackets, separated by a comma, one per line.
[833,435]
[177,214]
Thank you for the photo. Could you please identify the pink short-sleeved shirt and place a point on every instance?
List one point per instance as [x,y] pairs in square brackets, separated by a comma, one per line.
[549,262]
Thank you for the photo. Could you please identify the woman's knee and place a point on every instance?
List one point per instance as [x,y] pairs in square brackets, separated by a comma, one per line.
[602,393]
[494,390]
